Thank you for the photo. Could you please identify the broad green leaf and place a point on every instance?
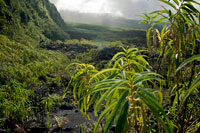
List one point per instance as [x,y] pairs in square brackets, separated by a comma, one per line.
[107,93]
[187,10]
[140,80]
[149,40]
[169,3]
[106,81]
[131,50]
[191,7]
[159,21]
[103,114]
[97,89]
[196,57]
[194,85]
[122,120]
[94,98]
[156,108]
[102,72]
[176,1]
[68,86]
[145,22]
[154,17]
[70,65]
[143,16]
[112,116]
[119,54]
[194,1]
[163,31]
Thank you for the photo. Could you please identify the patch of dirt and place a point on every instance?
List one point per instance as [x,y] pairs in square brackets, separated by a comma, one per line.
[107,53]
[64,118]
[74,119]
[70,50]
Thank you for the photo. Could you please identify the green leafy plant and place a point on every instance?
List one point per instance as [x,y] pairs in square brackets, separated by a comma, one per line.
[151,36]
[126,93]
[50,102]
[79,80]
[15,102]
[178,40]
[122,95]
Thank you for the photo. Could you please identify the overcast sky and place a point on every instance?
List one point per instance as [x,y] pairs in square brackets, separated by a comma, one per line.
[123,8]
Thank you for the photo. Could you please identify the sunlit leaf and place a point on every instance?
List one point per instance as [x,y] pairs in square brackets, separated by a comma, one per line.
[196,57]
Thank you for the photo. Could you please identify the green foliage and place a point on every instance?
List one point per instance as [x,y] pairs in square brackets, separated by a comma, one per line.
[15,102]
[178,40]
[81,41]
[121,93]
[130,96]
[24,67]
[80,79]
[50,102]
[2,11]
[184,63]
[128,93]
[151,32]
[103,34]
[25,64]
[24,26]
[31,21]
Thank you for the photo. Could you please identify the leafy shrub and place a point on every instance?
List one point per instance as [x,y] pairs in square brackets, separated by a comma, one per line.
[121,94]
[129,95]
[178,41]
[50,102]
[25,64]
[15,102]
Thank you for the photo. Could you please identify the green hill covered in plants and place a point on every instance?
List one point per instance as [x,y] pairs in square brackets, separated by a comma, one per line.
[131,80]
[25,68]
[31,21]
[25,25]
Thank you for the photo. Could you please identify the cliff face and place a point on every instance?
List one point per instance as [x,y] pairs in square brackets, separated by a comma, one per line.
[34,20]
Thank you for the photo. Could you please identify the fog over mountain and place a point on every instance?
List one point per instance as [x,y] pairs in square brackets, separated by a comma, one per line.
[129,9]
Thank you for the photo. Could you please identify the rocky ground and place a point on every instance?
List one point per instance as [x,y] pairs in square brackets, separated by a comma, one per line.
[67,117]
[70,50]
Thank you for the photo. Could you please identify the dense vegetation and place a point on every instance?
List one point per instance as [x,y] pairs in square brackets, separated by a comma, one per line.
[130,83]
[25,68]
[130,95]
[31,21]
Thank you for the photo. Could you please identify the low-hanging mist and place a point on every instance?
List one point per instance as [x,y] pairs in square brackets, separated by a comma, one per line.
[122,8]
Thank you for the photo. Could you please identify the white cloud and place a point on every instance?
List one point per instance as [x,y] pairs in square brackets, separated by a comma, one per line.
[87,6]
[125,8]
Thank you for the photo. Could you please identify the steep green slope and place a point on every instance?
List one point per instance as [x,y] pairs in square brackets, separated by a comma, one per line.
[31,21]
[25,68]
[24,25]
[26,65]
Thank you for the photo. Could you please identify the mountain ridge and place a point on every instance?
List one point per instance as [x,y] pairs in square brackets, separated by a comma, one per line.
[34,20]
[101,19]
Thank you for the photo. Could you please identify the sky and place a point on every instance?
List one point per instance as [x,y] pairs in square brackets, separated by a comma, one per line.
[122,8]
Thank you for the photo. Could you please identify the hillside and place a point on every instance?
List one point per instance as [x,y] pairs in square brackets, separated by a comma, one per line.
[110,75]
[25,26]
[35,48]
[32,20]
[27,72]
